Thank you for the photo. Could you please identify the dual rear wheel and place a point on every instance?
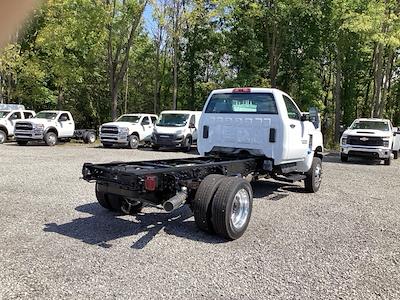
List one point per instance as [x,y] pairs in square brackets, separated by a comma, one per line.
[223,205]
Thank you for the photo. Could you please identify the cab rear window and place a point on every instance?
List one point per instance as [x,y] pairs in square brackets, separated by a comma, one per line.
[243,103]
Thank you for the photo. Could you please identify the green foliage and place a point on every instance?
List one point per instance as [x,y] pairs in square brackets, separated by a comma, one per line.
[60,60]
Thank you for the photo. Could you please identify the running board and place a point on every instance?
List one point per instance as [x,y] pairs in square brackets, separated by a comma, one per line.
[291,178]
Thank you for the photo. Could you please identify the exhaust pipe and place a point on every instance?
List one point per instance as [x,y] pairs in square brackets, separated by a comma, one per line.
[176,201]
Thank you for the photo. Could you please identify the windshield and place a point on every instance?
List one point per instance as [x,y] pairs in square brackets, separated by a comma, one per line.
[249,103]
[3,113]
[46,115]
[130,119]
[376,125]
[173,120]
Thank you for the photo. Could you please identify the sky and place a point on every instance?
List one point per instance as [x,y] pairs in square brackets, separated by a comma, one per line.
[149,23]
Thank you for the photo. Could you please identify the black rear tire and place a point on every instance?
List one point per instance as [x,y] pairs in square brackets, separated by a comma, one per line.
[155,147]
[227,202]
[22,143]
[102,199]
[314,176]
[388,161]
[344,157]
[117,203]
[395,154]
[201,204]
[89,137]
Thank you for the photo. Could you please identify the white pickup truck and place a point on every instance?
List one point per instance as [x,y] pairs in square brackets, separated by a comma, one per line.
[370,138]
[9,115]
[128,130]
[244,134]
[51,126]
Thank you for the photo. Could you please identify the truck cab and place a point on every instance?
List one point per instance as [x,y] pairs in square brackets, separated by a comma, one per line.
[260,122]
[370,138]
[49,126]
[128,130]
[176,128]
[9,115]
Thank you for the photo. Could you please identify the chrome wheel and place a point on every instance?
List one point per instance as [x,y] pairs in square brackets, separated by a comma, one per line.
[240,209]
[92,138]
[134,142]
[52,140]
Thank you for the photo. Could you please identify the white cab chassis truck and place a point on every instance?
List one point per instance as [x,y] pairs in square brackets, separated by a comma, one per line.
[128,130]
[244,134]
[51,126]
[369,138]
[176,128]
[9,115]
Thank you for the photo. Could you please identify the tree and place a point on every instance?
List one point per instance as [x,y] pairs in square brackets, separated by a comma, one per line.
[122,27]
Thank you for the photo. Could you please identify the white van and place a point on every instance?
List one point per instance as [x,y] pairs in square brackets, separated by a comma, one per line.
[176,128]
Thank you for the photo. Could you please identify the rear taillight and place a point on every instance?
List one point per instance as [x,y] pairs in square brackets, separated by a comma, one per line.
[242,90]
[150,183]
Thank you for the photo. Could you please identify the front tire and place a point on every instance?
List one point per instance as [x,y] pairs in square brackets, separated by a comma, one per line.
[344,157]
[314,176]
[133,141]
[155,147]
[187,145]
[3,137]
[201,204]
[388,161]
[51,139]
[231,208]
[395,154]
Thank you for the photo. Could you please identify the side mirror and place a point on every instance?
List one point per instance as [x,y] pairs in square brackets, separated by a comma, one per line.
[314,117]
[303,118]
[192,125]
[394,133]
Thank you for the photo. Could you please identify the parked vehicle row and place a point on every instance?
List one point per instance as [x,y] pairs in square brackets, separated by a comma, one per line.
[174,128]
[48,126]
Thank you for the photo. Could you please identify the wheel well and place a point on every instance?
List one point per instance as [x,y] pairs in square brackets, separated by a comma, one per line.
[4,129]
[318,152]
[53,130]
[135,133]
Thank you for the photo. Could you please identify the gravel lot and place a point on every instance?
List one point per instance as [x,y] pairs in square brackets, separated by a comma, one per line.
[57,242]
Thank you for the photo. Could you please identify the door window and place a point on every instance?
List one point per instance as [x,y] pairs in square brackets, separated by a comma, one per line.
[15,116]
[153,120]
[145,121]
[292,110]
[28,115]
[64,117]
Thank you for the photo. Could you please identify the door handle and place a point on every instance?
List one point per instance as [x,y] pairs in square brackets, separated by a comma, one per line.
[292,126]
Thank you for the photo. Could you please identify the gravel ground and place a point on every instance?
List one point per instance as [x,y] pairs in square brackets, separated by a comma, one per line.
[57,242]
